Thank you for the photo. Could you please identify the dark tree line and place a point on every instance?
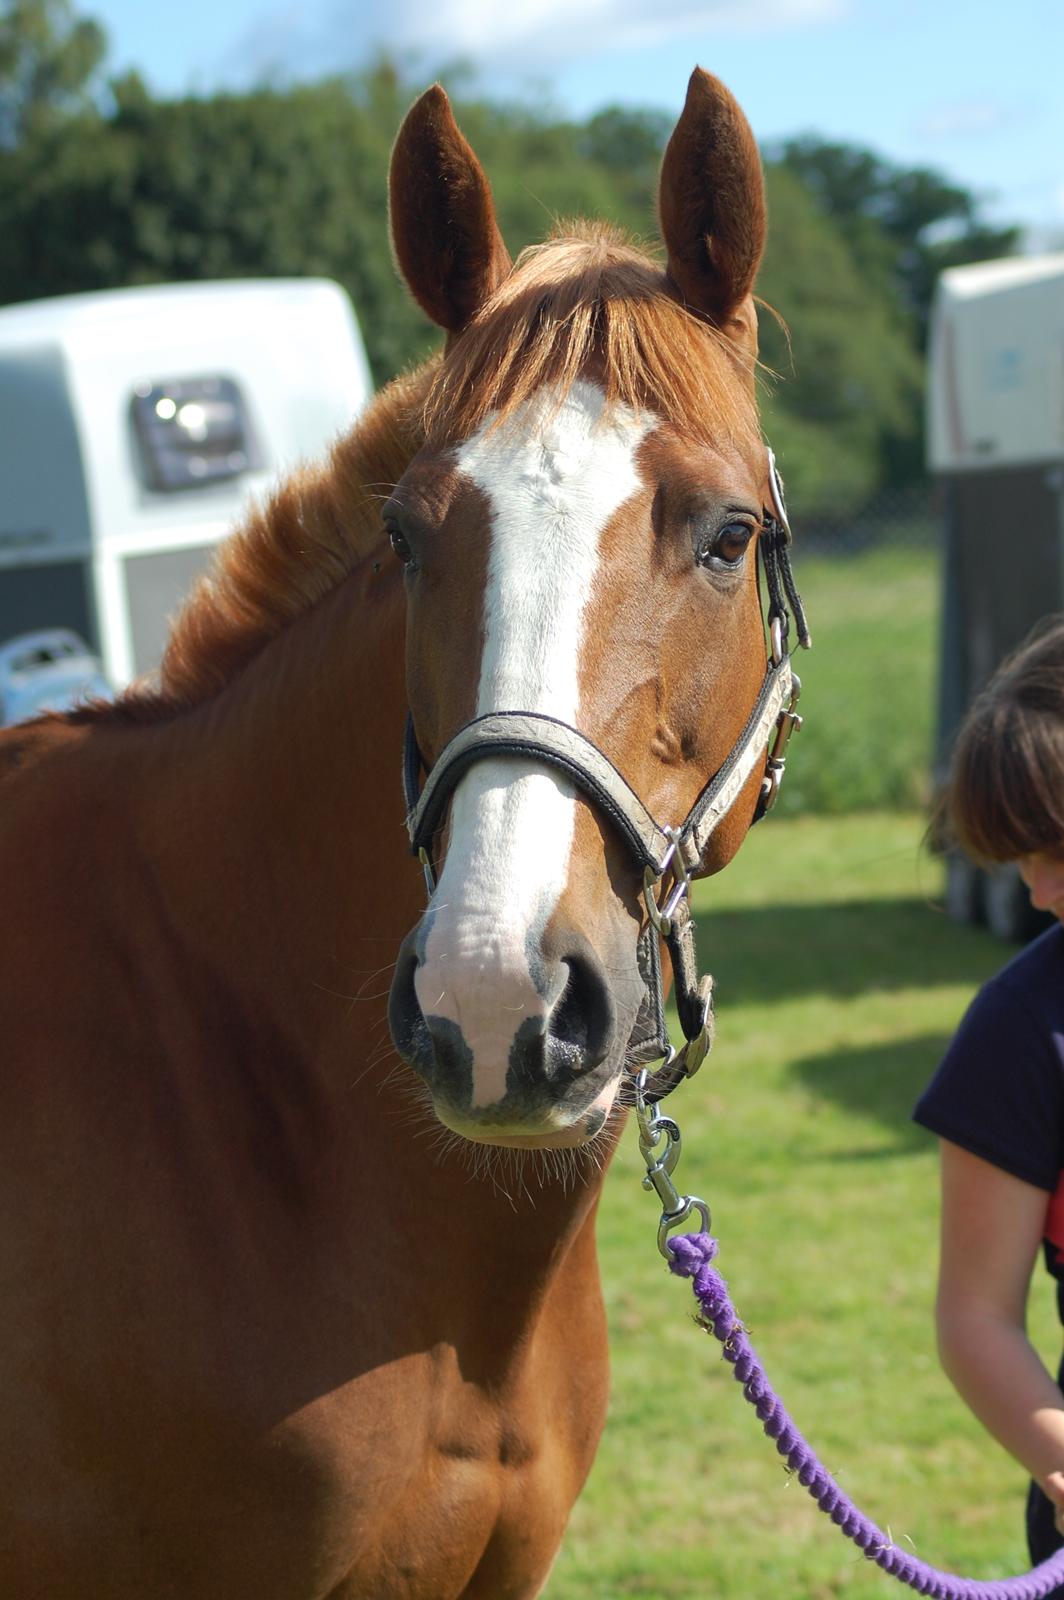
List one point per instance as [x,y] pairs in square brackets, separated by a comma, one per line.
[103,185]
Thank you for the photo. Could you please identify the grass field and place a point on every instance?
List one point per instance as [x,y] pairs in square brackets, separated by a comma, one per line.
[839,982]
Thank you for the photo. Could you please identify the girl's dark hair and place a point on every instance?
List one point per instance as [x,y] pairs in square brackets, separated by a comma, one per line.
[1005,794]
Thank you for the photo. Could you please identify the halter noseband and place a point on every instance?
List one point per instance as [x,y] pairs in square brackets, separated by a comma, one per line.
[669,856]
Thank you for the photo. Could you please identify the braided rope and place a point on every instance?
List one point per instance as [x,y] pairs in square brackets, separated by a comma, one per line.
[689,1257]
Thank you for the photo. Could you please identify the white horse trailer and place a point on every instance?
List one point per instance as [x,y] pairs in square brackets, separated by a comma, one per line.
[996,447]
[136,425]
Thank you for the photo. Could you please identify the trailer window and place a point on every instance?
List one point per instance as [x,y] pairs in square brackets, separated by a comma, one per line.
[192,431]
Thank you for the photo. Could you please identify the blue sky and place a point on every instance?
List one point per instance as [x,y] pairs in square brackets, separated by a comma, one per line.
[971,87]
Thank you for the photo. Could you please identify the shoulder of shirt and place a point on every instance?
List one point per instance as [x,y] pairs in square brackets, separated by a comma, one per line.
[1035,972]
[1044,953]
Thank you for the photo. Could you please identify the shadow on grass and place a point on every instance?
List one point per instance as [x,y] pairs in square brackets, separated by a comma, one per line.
[763,954]
[883,1081]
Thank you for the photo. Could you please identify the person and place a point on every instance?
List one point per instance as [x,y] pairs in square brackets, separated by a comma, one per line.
[997,1099]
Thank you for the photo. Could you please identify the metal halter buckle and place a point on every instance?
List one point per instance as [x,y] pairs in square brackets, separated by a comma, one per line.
[428,869]
[775,635]
[662,912]
[789,722]
[775,483]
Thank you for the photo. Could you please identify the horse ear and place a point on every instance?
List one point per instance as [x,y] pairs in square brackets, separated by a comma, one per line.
[712,207]
[446,240]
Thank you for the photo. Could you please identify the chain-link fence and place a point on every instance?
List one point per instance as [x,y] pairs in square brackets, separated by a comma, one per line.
[908,515]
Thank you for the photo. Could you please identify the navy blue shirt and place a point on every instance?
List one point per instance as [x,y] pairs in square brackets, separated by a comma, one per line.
[999,1091]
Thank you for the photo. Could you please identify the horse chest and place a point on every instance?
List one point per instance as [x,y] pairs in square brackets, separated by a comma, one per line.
[315,1511]
[448,1493]
[276,1475]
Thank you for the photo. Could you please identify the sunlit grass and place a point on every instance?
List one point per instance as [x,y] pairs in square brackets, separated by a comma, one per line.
[869,681]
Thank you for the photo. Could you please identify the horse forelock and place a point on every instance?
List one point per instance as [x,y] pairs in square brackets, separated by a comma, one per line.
[588,302]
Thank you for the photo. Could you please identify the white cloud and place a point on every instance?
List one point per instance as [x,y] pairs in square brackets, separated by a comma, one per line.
[964,119]
[335,34]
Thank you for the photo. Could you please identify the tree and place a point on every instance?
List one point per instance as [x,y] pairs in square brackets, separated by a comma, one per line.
[904,224]
[629,145]
[271,183]
[50,62]
[849,379]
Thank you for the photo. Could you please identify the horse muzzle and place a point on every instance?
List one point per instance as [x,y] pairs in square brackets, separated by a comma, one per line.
[516,1047]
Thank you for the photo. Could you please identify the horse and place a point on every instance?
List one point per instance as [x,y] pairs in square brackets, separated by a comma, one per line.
[286,1315]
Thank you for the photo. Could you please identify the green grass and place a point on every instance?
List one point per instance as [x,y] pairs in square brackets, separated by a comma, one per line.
[869,681]
[839,982]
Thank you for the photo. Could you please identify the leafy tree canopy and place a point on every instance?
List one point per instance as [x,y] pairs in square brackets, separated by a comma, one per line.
[904,224]
[50,61]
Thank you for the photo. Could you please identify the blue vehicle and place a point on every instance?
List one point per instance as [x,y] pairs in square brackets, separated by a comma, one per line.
[52,670]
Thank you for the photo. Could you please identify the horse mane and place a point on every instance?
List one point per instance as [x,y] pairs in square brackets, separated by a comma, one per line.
[584,298]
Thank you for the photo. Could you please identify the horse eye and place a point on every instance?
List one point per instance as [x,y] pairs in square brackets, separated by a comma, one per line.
[733,540]
[728,546]
[400,544]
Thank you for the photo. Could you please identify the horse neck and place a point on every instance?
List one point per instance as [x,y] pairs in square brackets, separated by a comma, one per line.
[272,813]
[284,779]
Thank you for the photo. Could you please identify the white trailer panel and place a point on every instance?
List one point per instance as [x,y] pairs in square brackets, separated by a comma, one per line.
[996,369]
[136,425]
[995,434]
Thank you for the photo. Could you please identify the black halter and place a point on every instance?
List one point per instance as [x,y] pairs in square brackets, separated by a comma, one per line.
[669,856]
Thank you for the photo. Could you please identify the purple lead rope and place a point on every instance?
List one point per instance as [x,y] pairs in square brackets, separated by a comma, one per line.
[690,1256]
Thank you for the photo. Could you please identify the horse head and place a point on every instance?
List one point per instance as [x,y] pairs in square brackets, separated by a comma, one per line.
[585,644]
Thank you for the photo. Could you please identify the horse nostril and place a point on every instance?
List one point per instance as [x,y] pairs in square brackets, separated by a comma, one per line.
[405,1019]
[581,1020]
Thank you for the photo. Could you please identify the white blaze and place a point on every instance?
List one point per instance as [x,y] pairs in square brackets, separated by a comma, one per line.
[553,476]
